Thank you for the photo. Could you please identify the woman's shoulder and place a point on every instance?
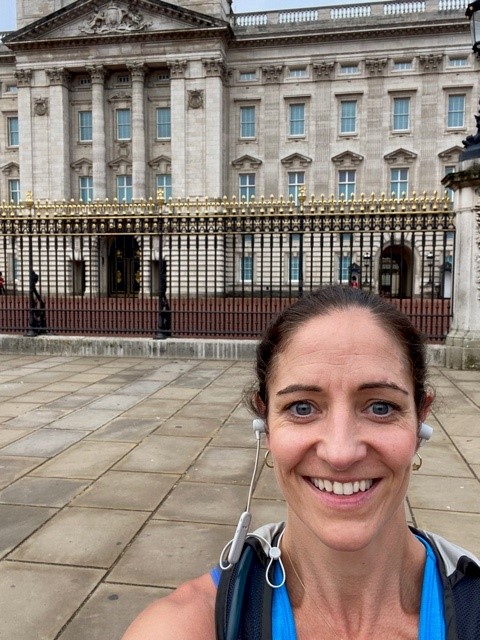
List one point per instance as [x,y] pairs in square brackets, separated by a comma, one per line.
[188,612]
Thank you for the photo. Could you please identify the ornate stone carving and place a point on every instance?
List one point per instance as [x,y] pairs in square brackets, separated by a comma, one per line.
[272,73]
[195,99]
[177,68]
[115,19]
[57,75]
[137,70]
[40,107]
[215,67]
[430,62]
[376,66]
[97,73]
[323,70]
[24,77]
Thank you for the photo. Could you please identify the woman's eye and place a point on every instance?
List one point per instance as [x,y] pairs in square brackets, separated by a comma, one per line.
[381,408]
[301,408]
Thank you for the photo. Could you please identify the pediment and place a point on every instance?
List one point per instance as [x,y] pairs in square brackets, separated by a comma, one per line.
[296,159]
[400,156]
[11,169]
[83,165]
[347,158]
[451,155]
[87,19]
[162,163]
[121,164]
[246,162]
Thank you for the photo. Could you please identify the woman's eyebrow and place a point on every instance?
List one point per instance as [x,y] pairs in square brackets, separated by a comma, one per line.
[383,385]
[293,388]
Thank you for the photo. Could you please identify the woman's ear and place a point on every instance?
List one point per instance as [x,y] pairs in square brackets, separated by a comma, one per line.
[426,406]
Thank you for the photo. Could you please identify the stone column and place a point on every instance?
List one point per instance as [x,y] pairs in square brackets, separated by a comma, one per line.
[463,340]
[274,182]
[178,109]
[99,153]
[59,143]
[216,73]
[25,151]
[137,69]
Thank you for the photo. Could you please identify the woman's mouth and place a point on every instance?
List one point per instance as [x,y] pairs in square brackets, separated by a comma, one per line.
[342,488]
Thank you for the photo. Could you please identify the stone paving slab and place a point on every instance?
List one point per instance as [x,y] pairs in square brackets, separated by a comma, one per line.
[36,600]
[149,489]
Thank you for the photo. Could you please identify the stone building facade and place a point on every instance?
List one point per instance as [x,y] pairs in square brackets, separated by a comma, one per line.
[114,98]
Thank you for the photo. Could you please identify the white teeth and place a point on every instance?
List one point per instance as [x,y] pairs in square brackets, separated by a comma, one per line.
[341,488]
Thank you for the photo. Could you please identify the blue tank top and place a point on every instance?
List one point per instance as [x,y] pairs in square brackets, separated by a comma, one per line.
[432,615]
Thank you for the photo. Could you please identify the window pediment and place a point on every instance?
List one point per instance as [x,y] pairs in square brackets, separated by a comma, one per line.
[296,160]
[163,164]
[82,166]
[121,165]
[347,158]
[246,162]
[451,155]
[11,169]
[400,156]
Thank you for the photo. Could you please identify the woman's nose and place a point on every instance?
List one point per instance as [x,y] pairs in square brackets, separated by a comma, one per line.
[341,443]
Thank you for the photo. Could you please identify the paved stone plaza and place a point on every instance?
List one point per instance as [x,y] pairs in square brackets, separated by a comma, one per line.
[122,477]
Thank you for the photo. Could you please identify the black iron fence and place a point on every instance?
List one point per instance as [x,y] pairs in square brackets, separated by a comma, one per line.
[217,268]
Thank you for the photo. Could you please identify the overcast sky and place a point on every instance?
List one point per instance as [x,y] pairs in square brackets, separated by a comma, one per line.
[7,7]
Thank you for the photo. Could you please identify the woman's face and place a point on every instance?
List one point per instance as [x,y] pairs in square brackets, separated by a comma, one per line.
[343,429]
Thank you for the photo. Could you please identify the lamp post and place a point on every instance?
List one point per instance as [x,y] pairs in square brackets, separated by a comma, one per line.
[473,13]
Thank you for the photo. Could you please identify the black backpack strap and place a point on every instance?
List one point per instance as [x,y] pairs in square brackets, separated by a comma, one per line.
[243,606]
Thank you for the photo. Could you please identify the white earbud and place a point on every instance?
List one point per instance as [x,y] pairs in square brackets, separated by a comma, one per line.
[424,433]
[259,427]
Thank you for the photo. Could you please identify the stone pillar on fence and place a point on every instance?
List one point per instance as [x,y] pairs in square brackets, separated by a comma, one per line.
[97,74]
[137,69]
[463,339]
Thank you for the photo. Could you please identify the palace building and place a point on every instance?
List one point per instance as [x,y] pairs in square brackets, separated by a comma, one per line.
[116,99]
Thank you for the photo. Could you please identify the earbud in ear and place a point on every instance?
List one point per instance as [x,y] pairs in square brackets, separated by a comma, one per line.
[425,432]
[259,427]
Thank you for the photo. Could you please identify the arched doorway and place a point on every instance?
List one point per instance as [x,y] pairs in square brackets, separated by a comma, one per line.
[396,273]
[123,266]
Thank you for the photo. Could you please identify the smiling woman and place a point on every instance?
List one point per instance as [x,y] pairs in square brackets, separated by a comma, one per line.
[341,394]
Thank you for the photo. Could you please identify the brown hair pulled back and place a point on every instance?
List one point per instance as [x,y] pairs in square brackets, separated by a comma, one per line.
[322,302]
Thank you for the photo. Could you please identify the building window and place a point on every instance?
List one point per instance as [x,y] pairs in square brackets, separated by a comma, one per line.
[123,78]
[449,169]
[399,183]
[403,65]
[247,122]
[456,111]
[401,114]
[246,76]
[164,182]
[86,189]
[124,188]
[246,186]
[85,126]
[344,265]
[296,180]
[297,120]
[164,124]
[300,72]
[294,267]
[123,124]
[12,129]
[11,88]
[246,268]
[348,69]
[348,116]
[14,191]
[346,183]
[458,62]
[84,81]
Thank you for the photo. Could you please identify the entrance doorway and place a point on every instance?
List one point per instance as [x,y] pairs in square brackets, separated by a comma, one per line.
[396,271]
[124,267]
